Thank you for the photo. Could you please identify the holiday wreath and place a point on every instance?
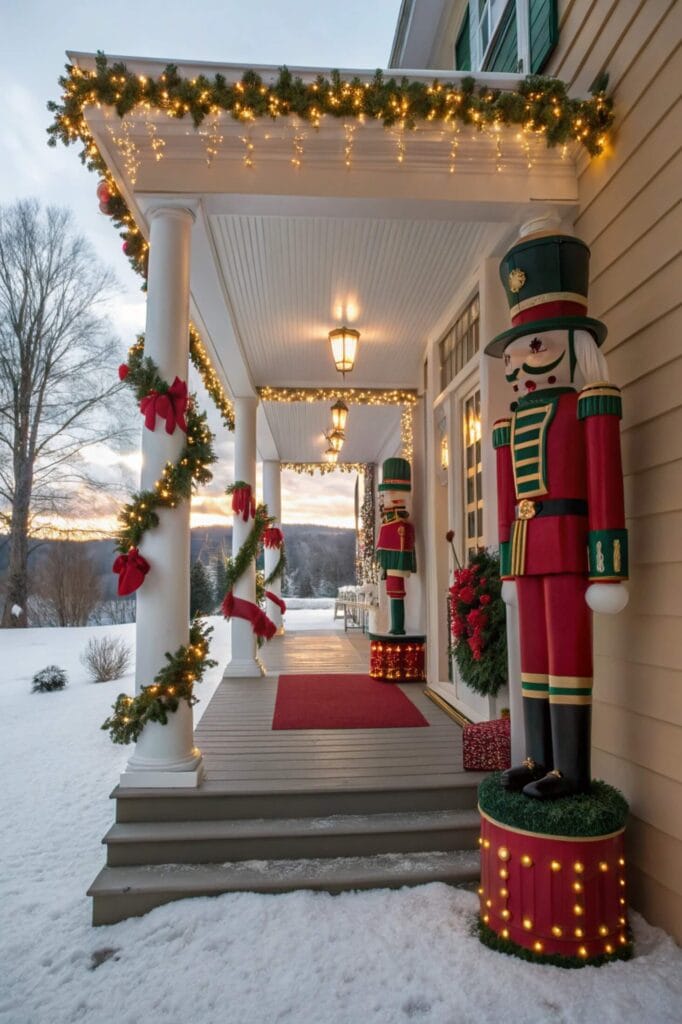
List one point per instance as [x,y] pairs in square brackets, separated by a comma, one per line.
[477,624]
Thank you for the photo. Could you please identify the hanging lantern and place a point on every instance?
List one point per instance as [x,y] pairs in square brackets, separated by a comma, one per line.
[344,343]
[331,455]
[336,439]
[339,415]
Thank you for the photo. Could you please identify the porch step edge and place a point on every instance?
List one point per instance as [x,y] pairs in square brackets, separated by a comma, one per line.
[121,892]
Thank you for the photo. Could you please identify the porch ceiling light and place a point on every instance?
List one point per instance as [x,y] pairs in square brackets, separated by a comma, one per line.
[339,415]
[331,455]
[344,343]
[336,439]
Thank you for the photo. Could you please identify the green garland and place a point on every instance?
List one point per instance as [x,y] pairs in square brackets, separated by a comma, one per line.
[598,813]
[494,941]
[140,514]
[539,105]
[278,570]
[248,552]
[173,683]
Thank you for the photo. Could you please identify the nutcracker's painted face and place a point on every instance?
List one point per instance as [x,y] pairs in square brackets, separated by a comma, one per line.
[537,361]
[391,501]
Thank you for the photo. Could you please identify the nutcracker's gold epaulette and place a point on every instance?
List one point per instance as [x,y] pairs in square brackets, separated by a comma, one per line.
[601,399]
[501,433]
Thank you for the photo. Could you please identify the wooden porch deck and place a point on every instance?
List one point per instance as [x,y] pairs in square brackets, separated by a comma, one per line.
[328,809]
[243,754]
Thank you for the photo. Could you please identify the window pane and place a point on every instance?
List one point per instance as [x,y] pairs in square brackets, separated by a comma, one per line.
[471,526]
[480,522]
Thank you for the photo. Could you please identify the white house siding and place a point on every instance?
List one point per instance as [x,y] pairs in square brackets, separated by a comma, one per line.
[630,216]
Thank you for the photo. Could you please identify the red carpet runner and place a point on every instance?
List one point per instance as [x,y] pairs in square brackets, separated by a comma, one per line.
[342,702]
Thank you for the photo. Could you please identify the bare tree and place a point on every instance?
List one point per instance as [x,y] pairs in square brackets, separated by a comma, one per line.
[57,376]
[67,587]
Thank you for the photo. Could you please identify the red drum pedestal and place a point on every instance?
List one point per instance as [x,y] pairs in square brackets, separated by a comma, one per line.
[553,897]
[397,659]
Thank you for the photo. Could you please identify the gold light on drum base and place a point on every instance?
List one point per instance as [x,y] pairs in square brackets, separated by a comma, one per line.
[344,343]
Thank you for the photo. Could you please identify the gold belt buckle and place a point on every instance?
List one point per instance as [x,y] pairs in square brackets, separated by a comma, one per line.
[527,509]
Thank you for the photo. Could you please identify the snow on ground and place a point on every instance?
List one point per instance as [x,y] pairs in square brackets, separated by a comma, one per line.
[300,958]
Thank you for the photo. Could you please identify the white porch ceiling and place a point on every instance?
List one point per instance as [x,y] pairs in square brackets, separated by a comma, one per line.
[299,428]
[290,280]
[285,250]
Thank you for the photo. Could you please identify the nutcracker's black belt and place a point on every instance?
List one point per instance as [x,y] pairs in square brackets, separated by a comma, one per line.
[529,509]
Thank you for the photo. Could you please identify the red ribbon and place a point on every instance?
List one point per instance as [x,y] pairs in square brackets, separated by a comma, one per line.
[273,537]
[276,599]
[243,502]
[171,406]
[237,608]
[132,569]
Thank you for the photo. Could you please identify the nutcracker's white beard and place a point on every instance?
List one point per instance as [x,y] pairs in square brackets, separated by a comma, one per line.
[590,363]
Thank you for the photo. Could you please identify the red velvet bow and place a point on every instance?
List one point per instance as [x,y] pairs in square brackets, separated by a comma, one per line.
[276,599]
[273,537]
[171,406]
[238,608]
[243,502]
[132,569]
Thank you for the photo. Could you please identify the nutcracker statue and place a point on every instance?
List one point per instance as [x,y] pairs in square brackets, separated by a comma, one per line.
[396,655]
[563,543]
[395,547]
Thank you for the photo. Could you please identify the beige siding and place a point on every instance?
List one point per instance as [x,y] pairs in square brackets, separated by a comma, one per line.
[631,217]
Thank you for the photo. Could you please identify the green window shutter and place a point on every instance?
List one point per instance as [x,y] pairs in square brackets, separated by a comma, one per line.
[504,55]
[463,46]
[544,32]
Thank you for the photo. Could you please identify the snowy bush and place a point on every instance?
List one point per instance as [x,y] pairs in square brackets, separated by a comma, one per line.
[48,679]
[106,657]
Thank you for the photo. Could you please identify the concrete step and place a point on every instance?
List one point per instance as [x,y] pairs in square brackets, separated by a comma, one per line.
[214,841]
[121,892]
[212,801]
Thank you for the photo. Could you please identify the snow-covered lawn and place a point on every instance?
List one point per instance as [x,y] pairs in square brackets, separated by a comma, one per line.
[300,958]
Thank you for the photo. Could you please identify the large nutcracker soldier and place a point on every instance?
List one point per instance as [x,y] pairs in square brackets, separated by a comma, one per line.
[395,547]
[563,544]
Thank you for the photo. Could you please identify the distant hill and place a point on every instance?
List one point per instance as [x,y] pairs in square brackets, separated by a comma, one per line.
[320,559]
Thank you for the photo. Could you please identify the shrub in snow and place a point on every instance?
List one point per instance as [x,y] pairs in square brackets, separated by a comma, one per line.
[106,658]
[51,678]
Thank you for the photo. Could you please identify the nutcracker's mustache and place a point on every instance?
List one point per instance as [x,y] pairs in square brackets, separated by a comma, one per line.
[545,368]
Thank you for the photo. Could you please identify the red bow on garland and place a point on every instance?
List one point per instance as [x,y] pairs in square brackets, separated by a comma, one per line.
[273,537]
[276,599]
[238,608]
[243,502]
[132,569]
[170,405]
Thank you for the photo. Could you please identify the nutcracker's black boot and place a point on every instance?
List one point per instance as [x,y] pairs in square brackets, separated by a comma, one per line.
[397,616]
[571,739]
[538,745]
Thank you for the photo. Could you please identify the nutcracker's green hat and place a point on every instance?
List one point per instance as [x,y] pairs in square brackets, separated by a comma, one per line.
[545,277]
[396,475]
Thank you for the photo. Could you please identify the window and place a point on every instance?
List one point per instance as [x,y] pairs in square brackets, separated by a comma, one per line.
[460,344]
[473,473]
[507,35]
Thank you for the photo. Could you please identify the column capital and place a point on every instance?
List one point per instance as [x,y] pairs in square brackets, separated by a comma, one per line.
[183,213]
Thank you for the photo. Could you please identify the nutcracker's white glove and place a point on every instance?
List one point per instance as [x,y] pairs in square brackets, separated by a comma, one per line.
[509,595]
[607,598]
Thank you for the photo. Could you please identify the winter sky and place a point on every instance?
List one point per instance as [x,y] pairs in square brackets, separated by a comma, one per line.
[34,36]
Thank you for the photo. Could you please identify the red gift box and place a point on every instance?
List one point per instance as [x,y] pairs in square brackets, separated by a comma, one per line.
[487,746]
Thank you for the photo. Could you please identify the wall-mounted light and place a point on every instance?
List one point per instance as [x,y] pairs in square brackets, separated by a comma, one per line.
[344,343]
[444,452]
[339,415]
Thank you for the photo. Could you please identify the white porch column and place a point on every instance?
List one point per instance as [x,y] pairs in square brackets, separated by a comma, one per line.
[272,496]
[243,661]
[165,754]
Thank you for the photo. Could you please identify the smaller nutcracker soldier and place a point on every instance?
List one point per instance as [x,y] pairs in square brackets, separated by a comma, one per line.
[395,547]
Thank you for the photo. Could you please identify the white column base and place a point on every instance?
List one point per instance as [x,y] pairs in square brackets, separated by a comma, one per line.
[247,667]
[142,773]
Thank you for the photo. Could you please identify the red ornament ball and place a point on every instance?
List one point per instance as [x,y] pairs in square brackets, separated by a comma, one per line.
[104,207]
[103,192]
[123,371]
[125,247]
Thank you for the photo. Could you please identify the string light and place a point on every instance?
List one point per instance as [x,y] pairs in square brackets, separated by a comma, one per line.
[352,396]
[406,433]
[310,468]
